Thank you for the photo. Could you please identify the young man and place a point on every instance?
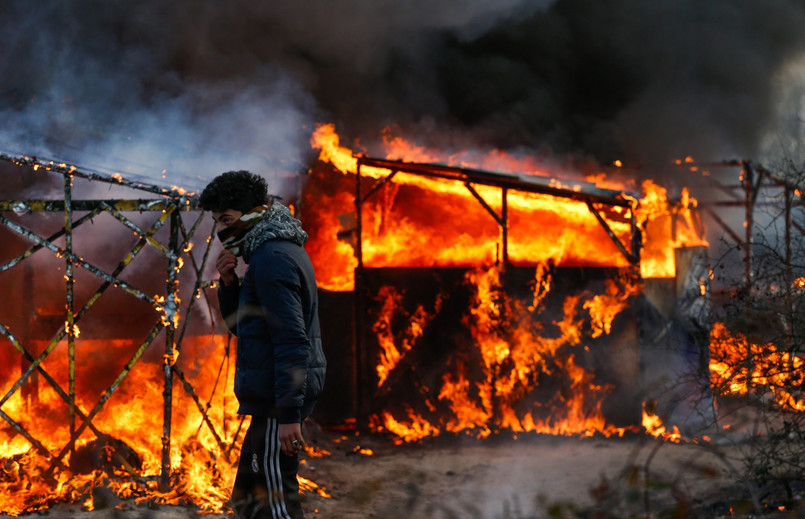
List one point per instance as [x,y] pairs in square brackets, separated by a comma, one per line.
[273,311]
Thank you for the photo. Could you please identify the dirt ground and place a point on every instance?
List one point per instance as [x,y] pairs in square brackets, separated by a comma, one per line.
[527,477]
[495,478]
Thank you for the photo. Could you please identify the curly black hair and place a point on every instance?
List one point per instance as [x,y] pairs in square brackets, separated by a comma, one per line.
[239,190]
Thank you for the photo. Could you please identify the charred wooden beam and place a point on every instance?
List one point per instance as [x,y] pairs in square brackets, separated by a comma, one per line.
[115,179]
[376,187]
[137,230]
[15,261]
[169,359]
[199,271]
[70,284]
[201,408]
[632,257]
[502,220]
[21,430]
[504,228]
[138,205]
[62,253]
[359,220]
[720,221]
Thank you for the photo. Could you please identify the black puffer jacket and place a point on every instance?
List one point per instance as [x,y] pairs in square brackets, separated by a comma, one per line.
[280,364]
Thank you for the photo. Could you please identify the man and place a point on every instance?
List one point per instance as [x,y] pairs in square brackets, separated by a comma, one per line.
[273,311]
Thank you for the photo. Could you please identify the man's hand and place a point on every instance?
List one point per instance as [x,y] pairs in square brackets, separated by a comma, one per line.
[226,264]
[290,433]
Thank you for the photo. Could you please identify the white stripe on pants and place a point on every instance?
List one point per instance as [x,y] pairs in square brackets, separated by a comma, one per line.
[271,465]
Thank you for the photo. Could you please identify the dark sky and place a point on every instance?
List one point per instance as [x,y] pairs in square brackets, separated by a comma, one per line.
[196,87]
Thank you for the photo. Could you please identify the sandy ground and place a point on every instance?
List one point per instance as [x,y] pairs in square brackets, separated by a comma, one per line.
[493,478]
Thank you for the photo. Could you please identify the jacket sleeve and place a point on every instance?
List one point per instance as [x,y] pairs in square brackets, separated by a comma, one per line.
[228,297]
[279,289]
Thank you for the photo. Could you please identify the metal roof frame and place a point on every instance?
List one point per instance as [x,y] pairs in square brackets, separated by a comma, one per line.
[588,193]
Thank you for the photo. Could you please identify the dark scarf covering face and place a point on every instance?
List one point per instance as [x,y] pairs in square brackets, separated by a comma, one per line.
[234,236]
[259,225]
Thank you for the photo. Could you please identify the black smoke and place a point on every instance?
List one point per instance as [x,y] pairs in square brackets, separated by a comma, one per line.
[195,87]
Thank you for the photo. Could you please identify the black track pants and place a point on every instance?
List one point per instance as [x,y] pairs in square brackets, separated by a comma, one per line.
[266,485]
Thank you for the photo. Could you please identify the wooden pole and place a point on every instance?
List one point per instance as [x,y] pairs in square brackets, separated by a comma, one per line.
[69,323]
[171,309]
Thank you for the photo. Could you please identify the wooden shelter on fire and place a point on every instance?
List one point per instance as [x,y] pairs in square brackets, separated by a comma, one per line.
[416,375]
[420,362]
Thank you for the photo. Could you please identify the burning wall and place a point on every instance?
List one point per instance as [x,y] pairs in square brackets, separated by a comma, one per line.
[487,350]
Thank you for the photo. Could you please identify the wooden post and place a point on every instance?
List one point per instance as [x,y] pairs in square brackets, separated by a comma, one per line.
[70,284]
[171,311]
[504,224]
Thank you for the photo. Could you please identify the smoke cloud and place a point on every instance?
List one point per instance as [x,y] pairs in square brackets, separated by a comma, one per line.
[196,87]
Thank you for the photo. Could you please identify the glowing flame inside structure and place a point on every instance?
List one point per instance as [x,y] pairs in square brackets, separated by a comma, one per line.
[412,214]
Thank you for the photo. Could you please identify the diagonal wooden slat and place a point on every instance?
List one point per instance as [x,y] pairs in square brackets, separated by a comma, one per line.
[35,364]
[19,229]
[149,237]
[15,261]
[205,417]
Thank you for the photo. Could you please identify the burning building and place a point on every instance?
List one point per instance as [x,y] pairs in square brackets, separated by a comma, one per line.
[490,302]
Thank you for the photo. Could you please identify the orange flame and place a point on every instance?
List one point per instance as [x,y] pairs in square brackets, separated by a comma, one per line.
[739,366]
[653,426]
[422,222]
[415,221]
[390,354]
[201,471]
[516,353]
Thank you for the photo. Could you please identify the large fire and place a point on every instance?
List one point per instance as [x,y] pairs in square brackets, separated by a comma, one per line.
[411,222]
[201,468]
[424,222]
[515,352]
